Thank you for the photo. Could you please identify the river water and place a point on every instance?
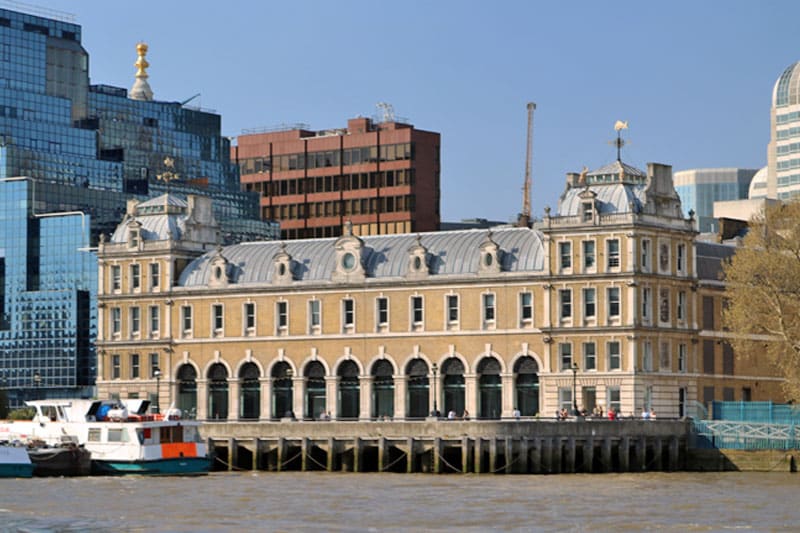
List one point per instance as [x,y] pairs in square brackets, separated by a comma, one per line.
[264,501]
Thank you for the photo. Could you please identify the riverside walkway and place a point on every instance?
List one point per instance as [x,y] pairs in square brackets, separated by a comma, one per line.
[442,446]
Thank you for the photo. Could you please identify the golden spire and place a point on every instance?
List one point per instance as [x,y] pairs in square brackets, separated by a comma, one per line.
[141,89]
[141,63]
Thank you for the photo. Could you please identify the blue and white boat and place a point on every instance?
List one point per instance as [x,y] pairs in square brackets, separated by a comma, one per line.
[120,435]
[14,461]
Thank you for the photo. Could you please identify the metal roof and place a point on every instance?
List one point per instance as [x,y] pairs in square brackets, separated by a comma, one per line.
[611,198]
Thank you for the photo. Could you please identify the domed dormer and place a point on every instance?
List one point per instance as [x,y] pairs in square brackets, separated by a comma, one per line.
[588,199]
[418,260]
[219,270]
[282,265]
[349,257]
[490,257]
[134,228]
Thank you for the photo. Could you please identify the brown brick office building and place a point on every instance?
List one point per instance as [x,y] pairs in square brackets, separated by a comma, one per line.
[383,177]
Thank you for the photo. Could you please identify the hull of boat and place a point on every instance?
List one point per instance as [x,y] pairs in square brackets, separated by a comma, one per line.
[183,466]
[16,470]
[69,461]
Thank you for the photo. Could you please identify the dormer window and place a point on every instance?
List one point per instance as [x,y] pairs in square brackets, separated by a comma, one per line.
[349,256]
[588,211]
[133,238]
[489,257]
[219,270]
[418,260]
[282,262]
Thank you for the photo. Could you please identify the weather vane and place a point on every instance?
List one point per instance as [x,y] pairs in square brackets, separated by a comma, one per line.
[619,142]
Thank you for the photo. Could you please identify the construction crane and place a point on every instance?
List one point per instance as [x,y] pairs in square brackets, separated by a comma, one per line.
[525,217]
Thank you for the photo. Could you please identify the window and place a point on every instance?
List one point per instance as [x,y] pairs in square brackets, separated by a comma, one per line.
[186,320]
[663,305]
[314,317]
[586,209]
[646,299]
[282,318]
[382,313]
[115,366]
[646,251]
[682,362]
[613,302]
[417,314]
[116,321]
[664,363]
[588,255]
[488,311]
[612,253]
[217,320]
[249,312]
[648,397]
[565,398]
[647,356]
[134,366]
[116,278]
[565,298]
[348,315]
[155,275]
[613,399]
[526,308]
[614,360]
[681,259]
[708,312]
[135,277]
[452,309]
[565,253]
[663,257]
[565,353]
[135,322]
[154,321]
[589,303]
[681,311]
[708,357]
[153,364]
[589,356]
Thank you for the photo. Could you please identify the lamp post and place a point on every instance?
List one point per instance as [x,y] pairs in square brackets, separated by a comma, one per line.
[157,375]
[575,389]
[37,381]
[290,400]
[434,369]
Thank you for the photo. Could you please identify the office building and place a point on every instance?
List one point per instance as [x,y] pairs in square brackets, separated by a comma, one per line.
[71,155]
[382,176]
[783,150]
[700,188]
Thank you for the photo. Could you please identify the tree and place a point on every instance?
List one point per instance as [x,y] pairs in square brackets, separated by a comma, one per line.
[763,293]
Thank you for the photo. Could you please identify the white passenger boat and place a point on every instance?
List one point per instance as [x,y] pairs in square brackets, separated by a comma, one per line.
[121,436]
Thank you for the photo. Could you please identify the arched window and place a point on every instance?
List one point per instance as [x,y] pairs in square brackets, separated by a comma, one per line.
[349,396]
[249,391]
[218,392]
[527,386]
[417,372]
[490,388]
[187,391]
[282,390]
[315,389]
[382,389]
[453,373]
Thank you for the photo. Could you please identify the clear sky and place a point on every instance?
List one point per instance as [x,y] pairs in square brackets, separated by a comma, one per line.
[693,78]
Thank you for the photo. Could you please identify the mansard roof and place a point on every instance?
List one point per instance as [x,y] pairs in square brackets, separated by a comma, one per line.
[159,219]
[611,198]
[451,253]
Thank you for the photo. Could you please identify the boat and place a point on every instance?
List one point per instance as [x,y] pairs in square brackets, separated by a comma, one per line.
[66,459]
[14,461]
[121,435]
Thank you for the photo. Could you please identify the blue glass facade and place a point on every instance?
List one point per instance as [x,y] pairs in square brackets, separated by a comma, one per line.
[699,189]
[84,150]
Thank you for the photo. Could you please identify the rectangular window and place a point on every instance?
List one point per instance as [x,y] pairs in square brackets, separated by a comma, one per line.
[186,320]
[488,311]
[565,299]
[115,366]
[155,322]
[612,253]
[116,321]
[613,399]
[708,312]
[452,309]
[249,312]
[663,305]
[565,253]
[663,257]
[727,359]
[589,308]
[217,320]
[646,251]
[613,302]
[526,308]
[314,317]
[282,318]
[589,356]
[682,354]
[382,313]
[681,259]
[588,255]
[565,353]
[664,356]
[565,398]
[614,359]
[135,322]
[153,365]
[134,366]
[588,212]
[116,278]
[646,303]
[348,315]
[155,276]
[136,277]
[647,356]
[417,312]
[681,310]
[708,357]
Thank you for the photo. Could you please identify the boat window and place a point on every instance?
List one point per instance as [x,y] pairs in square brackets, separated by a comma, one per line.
[172,434]
[94,434]
[117,435]
[49,411]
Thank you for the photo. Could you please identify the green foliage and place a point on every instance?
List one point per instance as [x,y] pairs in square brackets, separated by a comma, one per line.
[25,413]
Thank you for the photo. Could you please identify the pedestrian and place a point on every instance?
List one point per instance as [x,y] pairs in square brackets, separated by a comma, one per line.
[465,415]
[451,415]
[516,414]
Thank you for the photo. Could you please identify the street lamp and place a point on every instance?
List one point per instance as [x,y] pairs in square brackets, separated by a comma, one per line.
[157,375]
[434,368]
[37,381]
[575,389]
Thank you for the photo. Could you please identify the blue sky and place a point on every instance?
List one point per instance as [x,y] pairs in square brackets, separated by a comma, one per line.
[694,79]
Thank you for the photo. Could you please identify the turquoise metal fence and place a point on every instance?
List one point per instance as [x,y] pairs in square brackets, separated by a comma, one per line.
[764,412]
[748,426]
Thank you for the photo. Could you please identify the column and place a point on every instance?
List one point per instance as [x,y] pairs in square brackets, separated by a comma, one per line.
[265,408]
[202,399]
[507,381]
[299,396]
[234,386]
[400,386]
[331,395]
[365,397]
[471,394]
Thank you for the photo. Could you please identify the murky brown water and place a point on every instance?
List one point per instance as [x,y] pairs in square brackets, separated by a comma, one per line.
[317,501]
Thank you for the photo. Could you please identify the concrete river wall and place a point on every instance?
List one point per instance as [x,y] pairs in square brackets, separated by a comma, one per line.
[441,446]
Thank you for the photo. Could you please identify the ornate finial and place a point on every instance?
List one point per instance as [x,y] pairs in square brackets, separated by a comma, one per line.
[169,174]
[141,89]
[619,142]
[348,228]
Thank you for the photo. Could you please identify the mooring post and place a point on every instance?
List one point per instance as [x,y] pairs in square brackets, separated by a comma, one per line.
[304,456]
[509,452]
[281,452]
[608,465]
[256,454]
[641,453]
[658,463]
[465,454]
[478,455]
[410,456]
[588,454]
[674,453]
[358,451]
[555,461]
[493,454]
[536,456]
[571,454]
[382,453]
[233,454]
[330,460]
[624,452]
[523,455]
[436,454]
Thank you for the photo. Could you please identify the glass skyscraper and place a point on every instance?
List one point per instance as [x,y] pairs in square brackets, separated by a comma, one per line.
[71,155]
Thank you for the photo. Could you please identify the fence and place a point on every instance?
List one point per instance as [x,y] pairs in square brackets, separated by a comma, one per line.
[764,412]
[748,426]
